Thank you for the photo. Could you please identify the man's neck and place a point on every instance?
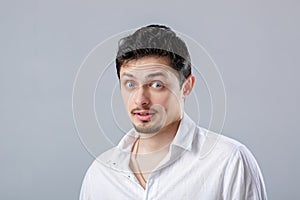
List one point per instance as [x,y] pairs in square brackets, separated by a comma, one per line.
[159,141]
[149,150]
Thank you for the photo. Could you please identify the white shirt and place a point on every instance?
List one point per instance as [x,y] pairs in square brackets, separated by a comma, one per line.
[199,165]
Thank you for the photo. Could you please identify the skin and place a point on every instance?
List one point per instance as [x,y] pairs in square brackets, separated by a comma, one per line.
[154,99]
[154,102]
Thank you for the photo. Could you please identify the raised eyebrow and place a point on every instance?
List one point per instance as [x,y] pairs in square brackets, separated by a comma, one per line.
[155,74]
[128,75]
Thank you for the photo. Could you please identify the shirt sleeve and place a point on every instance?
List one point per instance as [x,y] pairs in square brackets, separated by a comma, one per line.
[243,179]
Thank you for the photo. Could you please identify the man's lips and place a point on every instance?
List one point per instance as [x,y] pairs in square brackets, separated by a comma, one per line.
[143,115]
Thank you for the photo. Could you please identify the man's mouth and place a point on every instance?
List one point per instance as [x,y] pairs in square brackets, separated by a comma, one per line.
[143,115]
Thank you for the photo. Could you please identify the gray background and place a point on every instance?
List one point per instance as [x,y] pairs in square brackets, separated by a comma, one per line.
[254,43]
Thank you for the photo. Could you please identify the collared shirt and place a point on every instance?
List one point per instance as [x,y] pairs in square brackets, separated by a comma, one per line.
[200,164]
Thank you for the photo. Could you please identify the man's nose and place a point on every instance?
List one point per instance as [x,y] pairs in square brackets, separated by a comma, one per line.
[141,97]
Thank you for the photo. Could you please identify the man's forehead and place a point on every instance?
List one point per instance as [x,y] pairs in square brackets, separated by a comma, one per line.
[148,70]
[148,66]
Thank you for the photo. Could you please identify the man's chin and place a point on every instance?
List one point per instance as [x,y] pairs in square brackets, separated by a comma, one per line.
[147,129]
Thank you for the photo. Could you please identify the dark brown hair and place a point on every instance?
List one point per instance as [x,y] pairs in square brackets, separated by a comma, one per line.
[155,40]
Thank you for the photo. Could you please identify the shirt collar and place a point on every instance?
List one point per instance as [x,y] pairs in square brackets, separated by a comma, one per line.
[185,133]
[119,156]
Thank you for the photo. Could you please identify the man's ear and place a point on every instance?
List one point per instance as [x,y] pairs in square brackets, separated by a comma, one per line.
[188,85]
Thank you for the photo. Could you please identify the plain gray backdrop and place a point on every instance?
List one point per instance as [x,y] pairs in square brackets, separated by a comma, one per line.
[255,44]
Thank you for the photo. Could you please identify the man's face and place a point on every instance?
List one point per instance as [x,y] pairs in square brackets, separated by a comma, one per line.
[151,93]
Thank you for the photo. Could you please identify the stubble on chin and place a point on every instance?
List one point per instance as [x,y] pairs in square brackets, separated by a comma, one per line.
[148,129]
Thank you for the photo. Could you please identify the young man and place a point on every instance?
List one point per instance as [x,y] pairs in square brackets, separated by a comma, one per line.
[161,158]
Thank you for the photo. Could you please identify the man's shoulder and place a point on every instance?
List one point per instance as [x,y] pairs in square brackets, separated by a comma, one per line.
[102,160]
[107,155]
[112,159]
[212,142]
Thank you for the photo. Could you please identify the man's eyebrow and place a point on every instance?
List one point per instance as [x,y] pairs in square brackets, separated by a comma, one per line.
[128,75]
[155,74]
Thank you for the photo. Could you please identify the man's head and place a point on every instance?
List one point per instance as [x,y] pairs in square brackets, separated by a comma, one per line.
[154,68]
[155,40]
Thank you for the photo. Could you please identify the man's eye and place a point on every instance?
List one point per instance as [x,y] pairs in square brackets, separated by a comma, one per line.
[130,84]
[157,84]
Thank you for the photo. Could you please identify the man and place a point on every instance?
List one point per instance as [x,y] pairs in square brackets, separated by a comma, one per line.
[162,157]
